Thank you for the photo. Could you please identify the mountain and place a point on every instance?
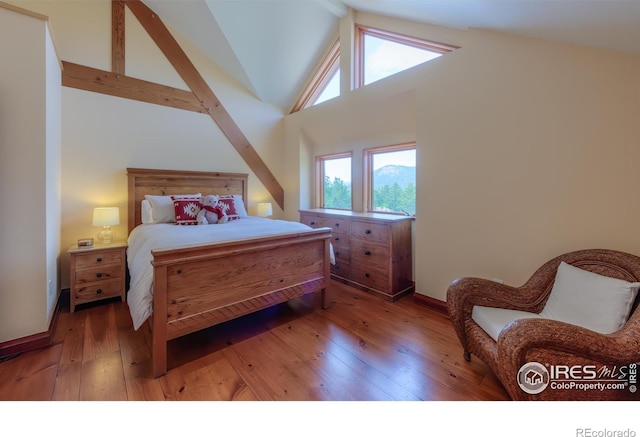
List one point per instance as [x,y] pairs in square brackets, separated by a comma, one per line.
[389,174]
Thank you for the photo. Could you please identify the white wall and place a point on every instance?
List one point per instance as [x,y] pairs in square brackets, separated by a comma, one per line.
[531,156]
[29,136]
[525,150]
[53,184]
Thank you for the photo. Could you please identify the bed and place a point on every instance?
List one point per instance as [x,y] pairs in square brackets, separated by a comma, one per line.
[187,278]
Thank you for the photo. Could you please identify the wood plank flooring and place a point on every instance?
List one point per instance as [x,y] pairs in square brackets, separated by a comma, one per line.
[361,349]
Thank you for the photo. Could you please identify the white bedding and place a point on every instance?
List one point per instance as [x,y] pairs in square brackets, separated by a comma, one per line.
[147,237]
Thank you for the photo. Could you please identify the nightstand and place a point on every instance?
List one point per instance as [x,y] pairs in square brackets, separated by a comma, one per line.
[98,272]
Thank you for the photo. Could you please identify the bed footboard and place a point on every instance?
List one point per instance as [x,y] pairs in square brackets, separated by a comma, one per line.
[197,287]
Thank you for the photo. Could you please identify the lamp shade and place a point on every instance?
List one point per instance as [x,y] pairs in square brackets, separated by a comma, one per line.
[106,216]
[265,209]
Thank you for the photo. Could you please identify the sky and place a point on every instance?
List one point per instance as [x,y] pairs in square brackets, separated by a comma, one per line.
[383,58]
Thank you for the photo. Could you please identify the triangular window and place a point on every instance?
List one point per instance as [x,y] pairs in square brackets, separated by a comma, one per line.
[325,84]
[380,53]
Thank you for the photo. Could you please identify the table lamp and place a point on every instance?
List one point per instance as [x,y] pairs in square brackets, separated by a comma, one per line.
[265,209]
[106,217]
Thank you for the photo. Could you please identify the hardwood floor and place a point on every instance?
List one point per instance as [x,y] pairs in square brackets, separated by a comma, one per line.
[361,349]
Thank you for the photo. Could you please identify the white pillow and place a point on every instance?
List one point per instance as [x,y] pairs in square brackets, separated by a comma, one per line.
[587,299]
[145,213]
[493,320]
[162,209]
[240,209]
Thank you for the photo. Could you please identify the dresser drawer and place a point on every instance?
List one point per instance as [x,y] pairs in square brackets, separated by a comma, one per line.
[375,232]
[341,249]
[341,269]
[99,274]
[96,259]
[337,225]
[98,290]
[370,254]
[314,221]
[370,276]
[372,250]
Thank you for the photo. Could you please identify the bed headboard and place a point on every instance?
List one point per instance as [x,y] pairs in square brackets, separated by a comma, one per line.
[166,182]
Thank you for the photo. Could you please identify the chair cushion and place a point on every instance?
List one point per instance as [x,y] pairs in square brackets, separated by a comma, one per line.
[492,320]
[590,300]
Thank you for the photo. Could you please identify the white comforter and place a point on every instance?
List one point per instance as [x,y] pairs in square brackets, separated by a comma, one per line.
[145,238]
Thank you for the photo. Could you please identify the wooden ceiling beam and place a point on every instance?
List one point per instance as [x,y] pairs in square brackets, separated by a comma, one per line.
[117,37]
[190,75]
[114,84]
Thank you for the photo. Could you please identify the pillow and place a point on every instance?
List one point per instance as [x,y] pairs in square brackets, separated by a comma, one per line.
[232,207]
[590,300]
[239,204]
[493,320]
[186,209]
[145,213]
[162,208]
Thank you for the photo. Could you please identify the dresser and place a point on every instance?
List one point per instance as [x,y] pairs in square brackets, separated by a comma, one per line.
[97,272]
[372,250]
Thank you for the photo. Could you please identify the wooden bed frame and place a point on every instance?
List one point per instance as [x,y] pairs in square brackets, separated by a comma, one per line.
[195,287]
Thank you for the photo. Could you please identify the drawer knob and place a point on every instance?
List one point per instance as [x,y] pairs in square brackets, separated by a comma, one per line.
[99,290]
[99,259]
[336,253]
[367,252]
[368,231]
[366,275]
[312,223]
[99,275]
[337,238]
[337,224]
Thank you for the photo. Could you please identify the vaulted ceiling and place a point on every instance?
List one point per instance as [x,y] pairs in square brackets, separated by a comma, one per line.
[271,46]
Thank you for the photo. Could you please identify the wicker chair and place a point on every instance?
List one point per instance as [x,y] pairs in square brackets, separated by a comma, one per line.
[542,340]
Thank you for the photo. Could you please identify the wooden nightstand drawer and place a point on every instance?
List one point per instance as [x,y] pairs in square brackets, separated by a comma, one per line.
[98,258]
[98,274]
[98,290]
[370,231]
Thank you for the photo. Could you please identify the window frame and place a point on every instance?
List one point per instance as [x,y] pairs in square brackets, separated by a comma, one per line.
[328,67]
[367,155]
[320,159]
[361,31]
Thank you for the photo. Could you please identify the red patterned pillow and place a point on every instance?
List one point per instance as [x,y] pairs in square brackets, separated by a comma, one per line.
[186,209]
[228,204]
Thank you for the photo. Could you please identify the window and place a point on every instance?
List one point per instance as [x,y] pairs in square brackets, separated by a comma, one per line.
[325,84]
[380,54]
[334,181]
[331,90]
[390,179]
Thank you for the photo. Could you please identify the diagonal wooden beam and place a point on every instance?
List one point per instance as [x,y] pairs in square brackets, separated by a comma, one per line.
[113,84]
[190,75]
[117,37]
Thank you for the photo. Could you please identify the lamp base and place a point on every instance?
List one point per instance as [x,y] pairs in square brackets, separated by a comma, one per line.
[106,235]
